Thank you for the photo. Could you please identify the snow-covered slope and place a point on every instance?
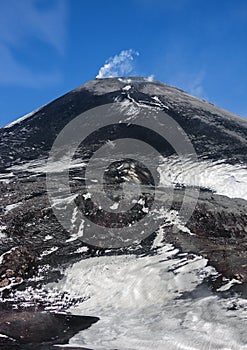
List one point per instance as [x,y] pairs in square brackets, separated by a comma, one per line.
[140,305]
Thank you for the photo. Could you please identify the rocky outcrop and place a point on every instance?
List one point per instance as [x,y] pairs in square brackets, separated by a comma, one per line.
[218,232]
[38,330]
[16,265]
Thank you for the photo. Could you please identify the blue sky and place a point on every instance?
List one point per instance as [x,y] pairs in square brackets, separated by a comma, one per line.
[48,47]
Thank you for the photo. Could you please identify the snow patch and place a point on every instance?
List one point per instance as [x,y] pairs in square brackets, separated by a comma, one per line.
[12,206]
[81,250]
[6,178]
[127,87]
[49,251]
[225,179]
[114,206]
[78,234]
[48,238]
[138,301]
[42,166]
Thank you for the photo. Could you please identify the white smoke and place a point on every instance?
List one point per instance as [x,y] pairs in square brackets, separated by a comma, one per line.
[119,65]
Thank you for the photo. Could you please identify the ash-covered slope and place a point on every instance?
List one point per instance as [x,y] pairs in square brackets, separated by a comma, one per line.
[219,221]
[215,133]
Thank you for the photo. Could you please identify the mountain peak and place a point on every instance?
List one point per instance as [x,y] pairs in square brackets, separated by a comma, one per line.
[143,174]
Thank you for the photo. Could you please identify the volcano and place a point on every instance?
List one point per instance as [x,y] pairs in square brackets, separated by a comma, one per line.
[129,197]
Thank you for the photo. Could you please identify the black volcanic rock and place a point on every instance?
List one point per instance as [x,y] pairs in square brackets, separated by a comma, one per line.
[32,328]
[15,265]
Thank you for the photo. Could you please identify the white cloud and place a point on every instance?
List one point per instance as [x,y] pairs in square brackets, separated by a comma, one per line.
[150,77]
[119,65]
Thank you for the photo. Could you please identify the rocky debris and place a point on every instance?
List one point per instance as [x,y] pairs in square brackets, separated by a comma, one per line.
[38,330]
[218,233]
[16,265]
